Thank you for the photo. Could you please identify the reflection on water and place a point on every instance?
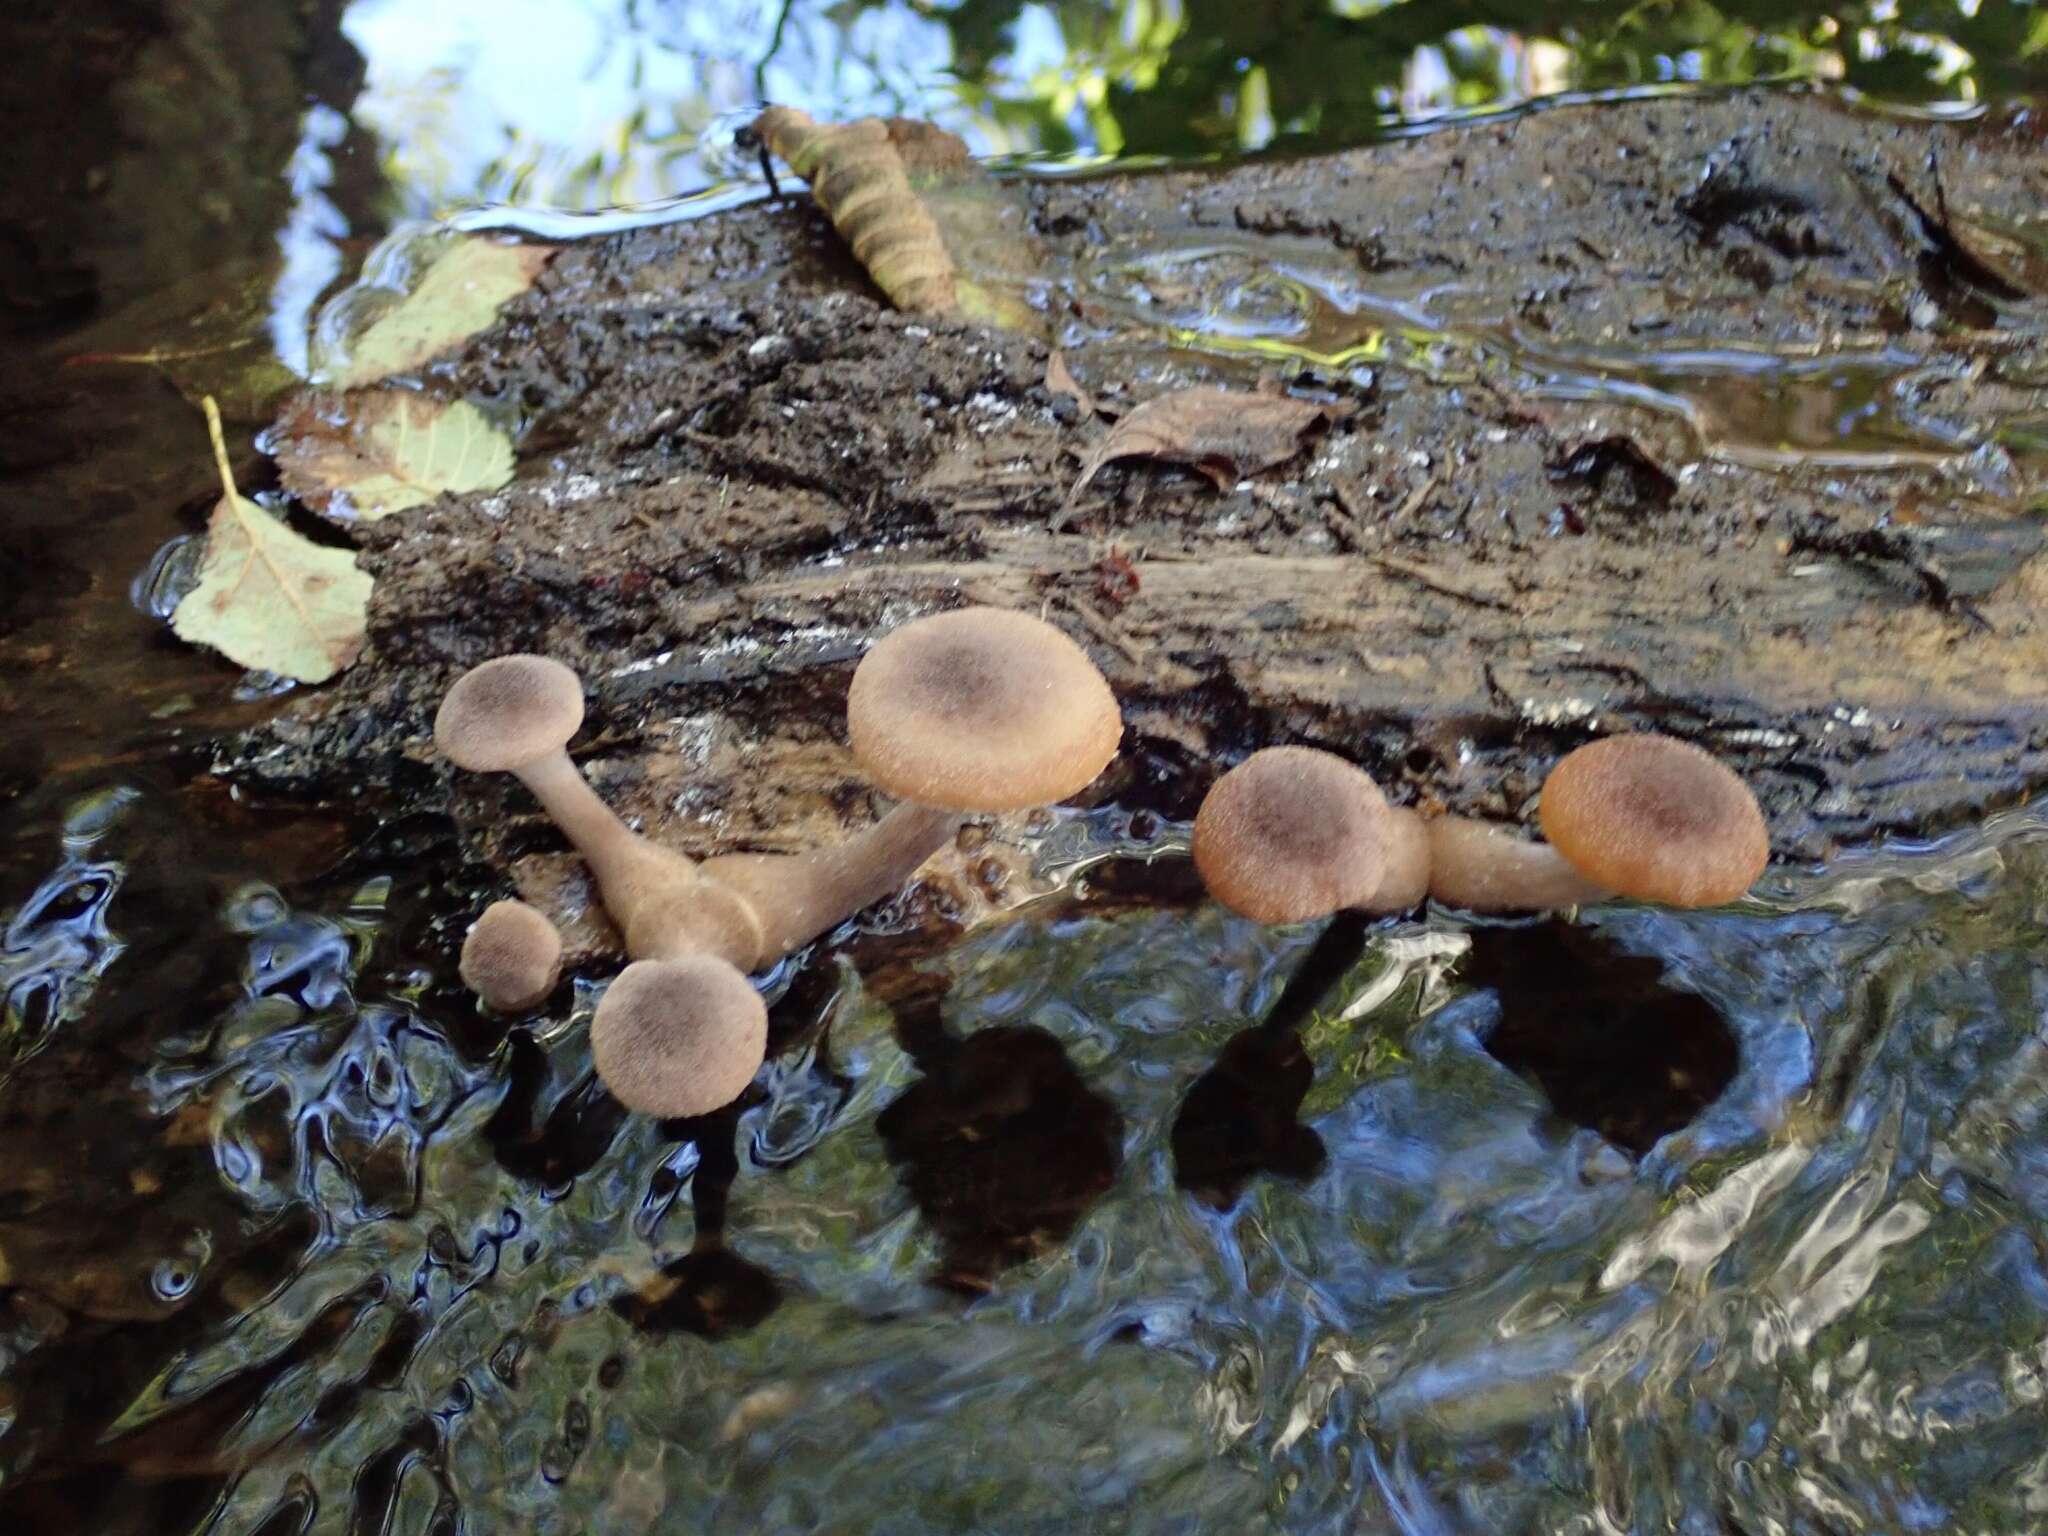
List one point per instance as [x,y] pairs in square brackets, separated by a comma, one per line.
[1616,1219]
[607,101]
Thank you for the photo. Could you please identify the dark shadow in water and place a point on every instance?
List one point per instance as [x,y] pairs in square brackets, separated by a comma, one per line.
[554,1147]
[710,1291]
[1613,1045]
[1239,1119]
[1001,1143]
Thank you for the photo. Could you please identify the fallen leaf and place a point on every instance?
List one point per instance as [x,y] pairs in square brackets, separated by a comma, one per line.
[415,300]
[268,597]
[925,148]
[937,237]
[858,176]
[379,451]
[1223,434]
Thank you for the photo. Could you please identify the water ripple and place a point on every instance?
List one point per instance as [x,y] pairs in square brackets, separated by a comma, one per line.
[1049,1230]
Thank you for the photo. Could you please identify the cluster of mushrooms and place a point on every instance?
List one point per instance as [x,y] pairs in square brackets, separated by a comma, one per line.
[983,710]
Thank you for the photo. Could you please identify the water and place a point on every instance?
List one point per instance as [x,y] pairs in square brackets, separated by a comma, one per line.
[1044,1231]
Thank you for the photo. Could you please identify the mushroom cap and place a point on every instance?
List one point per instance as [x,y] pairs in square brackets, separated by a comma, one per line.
[506,713]
[981,709]
[1292,833]
[679,1037]
[1655,818]
[512,957]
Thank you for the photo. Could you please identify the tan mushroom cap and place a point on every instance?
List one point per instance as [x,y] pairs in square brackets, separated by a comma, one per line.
[506,713]
[1657,819]
[512,957]
[981,709]
[679,1037]
[1292,833]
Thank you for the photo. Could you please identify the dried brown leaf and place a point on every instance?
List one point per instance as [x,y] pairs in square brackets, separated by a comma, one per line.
[857,174]
[907,198]
[926,149]
[1222,433]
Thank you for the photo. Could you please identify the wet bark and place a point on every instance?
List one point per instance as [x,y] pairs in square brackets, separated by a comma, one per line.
[742,465]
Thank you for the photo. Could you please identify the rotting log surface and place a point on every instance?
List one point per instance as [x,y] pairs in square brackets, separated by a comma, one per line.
[741,467]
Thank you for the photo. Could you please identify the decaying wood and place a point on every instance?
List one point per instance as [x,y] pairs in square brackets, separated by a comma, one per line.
[750,472]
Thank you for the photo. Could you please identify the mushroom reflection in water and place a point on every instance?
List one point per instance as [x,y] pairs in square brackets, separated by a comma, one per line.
[1614,1046]
[710,1291]
[1002,1145]
[1239,1119]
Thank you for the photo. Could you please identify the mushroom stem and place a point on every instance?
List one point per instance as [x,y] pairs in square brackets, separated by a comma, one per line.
[630,870]
[1483,867]
[1406,880]
[796,897]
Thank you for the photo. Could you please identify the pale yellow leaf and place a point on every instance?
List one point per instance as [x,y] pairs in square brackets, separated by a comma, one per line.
[379,451]
[456,293]
[268,597]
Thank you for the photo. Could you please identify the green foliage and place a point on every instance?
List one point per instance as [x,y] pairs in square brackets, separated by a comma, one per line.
[1142,77]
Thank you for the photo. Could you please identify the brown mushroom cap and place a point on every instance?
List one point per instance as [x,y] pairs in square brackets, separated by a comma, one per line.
[679,1037]
[1657,819]
[512,957]
[1292,833]
[981,709]
[506,713]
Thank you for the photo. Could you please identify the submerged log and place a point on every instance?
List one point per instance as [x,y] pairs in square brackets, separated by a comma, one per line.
[1678,414]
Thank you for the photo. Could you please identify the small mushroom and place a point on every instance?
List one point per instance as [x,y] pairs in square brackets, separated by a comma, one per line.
[512,957]
[1656,819]
[679,1037]
[1292,833]
[1643,816]
[515,715]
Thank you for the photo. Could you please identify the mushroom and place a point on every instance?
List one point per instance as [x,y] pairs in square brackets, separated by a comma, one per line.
[515,715]
[1657,819]
[973,710]
[1644,816]
[1293,833]
[512,957]
[679,1037]
[979,709]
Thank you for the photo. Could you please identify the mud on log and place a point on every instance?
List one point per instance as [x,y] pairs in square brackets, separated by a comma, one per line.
[741,465]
